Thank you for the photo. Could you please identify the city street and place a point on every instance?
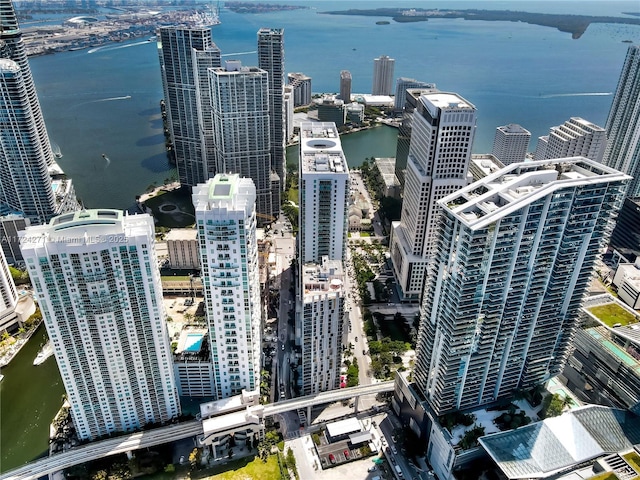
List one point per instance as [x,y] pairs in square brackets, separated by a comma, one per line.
[283,245]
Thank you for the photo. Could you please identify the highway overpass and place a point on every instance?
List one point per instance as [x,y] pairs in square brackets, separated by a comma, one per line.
[170,433]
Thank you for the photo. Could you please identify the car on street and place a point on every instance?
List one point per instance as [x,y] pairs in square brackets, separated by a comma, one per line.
[393,449]
[283,346]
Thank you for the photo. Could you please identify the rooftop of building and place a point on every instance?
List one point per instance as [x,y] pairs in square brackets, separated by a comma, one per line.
[222,423]
[546,448]
[614,314]
[85,227]
[585,123]
[604,337]
[86,217]
[9,65]
[484,164]
[235,67]
[231,404]
[325,277]
[191,340]
[447,100]
[485,201]
[181,234]
[373,100]
[514,128]
[298,76]
[270,31]
[320,148]
[229,192]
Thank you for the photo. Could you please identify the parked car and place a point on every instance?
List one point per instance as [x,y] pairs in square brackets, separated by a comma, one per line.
[332,459]
[372,469]
[346,454]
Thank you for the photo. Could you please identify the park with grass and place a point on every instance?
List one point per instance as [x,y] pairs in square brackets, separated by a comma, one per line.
[612,314]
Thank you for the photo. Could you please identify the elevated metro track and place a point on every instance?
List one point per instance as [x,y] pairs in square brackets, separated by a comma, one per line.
[170,433]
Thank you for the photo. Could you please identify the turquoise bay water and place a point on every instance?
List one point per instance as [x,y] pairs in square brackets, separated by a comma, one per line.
[106,100]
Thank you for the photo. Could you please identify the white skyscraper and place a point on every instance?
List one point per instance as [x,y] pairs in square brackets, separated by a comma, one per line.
[321,322]
[575,137]
[240,108]
[185,55]
[324,193]
[96,278]
[27,166]
[226,223]
[515,252]
[8,297]
[443,129]
[301,84]
[623,123]
[383,68]
[511,143]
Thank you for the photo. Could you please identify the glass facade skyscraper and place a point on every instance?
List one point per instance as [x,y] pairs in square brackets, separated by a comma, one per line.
[514,253]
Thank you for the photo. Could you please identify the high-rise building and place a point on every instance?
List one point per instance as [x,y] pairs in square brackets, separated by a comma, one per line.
[301,84]
[12,48]
[331,109]
[321,325]
[96,278]
[324,193]
[185,55]
[8,297]
[623,123]
[402,85]
[27,165]
[345,86]
[511,143]
[576,137]
[10,225]
[271,60]
[515,252]
[288,111]
[383,68]
[240,108]
[404,131]
[625,239]
[443,129]
[226,223]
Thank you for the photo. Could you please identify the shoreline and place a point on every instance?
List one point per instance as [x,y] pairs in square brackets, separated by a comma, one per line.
[576,25]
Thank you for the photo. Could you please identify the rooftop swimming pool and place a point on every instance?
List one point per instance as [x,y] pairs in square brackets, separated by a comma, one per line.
[193,342]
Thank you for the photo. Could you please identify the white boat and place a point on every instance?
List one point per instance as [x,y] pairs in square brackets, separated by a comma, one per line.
[44,353]
[1,377]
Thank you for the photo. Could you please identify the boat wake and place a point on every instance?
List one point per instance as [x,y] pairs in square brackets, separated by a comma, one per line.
[586,94]
[238,53]
[108,161]
[108,48]
[111,99]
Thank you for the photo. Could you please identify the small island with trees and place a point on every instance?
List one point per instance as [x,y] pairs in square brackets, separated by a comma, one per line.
[576,25]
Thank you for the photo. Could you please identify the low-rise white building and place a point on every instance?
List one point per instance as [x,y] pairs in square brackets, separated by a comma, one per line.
[627,281]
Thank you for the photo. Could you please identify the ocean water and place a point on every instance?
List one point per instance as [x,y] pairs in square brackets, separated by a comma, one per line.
[106,100]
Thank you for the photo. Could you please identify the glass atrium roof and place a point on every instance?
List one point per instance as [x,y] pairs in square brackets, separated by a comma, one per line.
[556,444]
